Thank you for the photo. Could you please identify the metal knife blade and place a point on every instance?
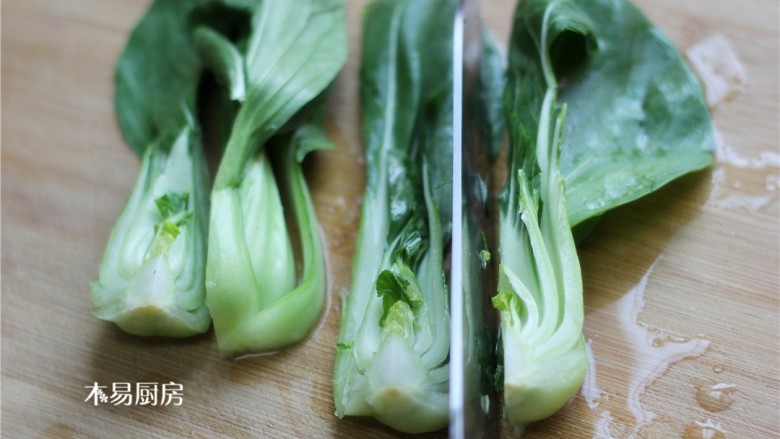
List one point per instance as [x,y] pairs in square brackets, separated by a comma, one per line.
[473,405]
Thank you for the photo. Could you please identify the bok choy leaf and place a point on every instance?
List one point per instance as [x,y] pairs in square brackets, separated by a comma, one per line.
[636,116]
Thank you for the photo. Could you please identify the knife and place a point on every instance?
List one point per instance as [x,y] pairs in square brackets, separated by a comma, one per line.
[473,404]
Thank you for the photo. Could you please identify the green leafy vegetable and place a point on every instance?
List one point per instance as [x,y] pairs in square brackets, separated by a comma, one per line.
[157,75]
[631,118]
[151,279]
[487,100]
[392,359]
[292,52]
[540,286]
[224,60]
[636,116]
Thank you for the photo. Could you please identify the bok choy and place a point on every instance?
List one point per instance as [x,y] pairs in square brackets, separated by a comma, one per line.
[292,52]
[151,279]
[540,285]
[596,119]
[392,358]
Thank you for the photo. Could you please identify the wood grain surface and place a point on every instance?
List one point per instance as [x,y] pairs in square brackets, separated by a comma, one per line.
[681,287]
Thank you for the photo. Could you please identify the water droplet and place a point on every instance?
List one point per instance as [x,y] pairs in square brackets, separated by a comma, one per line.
[590,388]
[718,67]
[716,397]
[704,430]
[729,155]
[730,193]
[718,368]
[655,350]
[772,182]
[607,426]
[669,349]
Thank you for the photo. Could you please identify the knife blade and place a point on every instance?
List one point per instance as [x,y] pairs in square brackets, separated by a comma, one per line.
[473,404]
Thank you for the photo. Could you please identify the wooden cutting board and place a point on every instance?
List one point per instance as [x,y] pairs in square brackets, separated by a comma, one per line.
[681,287]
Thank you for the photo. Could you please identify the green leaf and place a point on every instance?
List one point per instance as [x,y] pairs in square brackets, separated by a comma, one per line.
[391,290]
[157,75]
[502,301]
[293,52]
[223,59]
[172,204]
[310,138]
[636,114]
[398,284]
[491,87]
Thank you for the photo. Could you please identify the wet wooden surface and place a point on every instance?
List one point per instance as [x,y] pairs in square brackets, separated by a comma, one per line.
[681,287]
